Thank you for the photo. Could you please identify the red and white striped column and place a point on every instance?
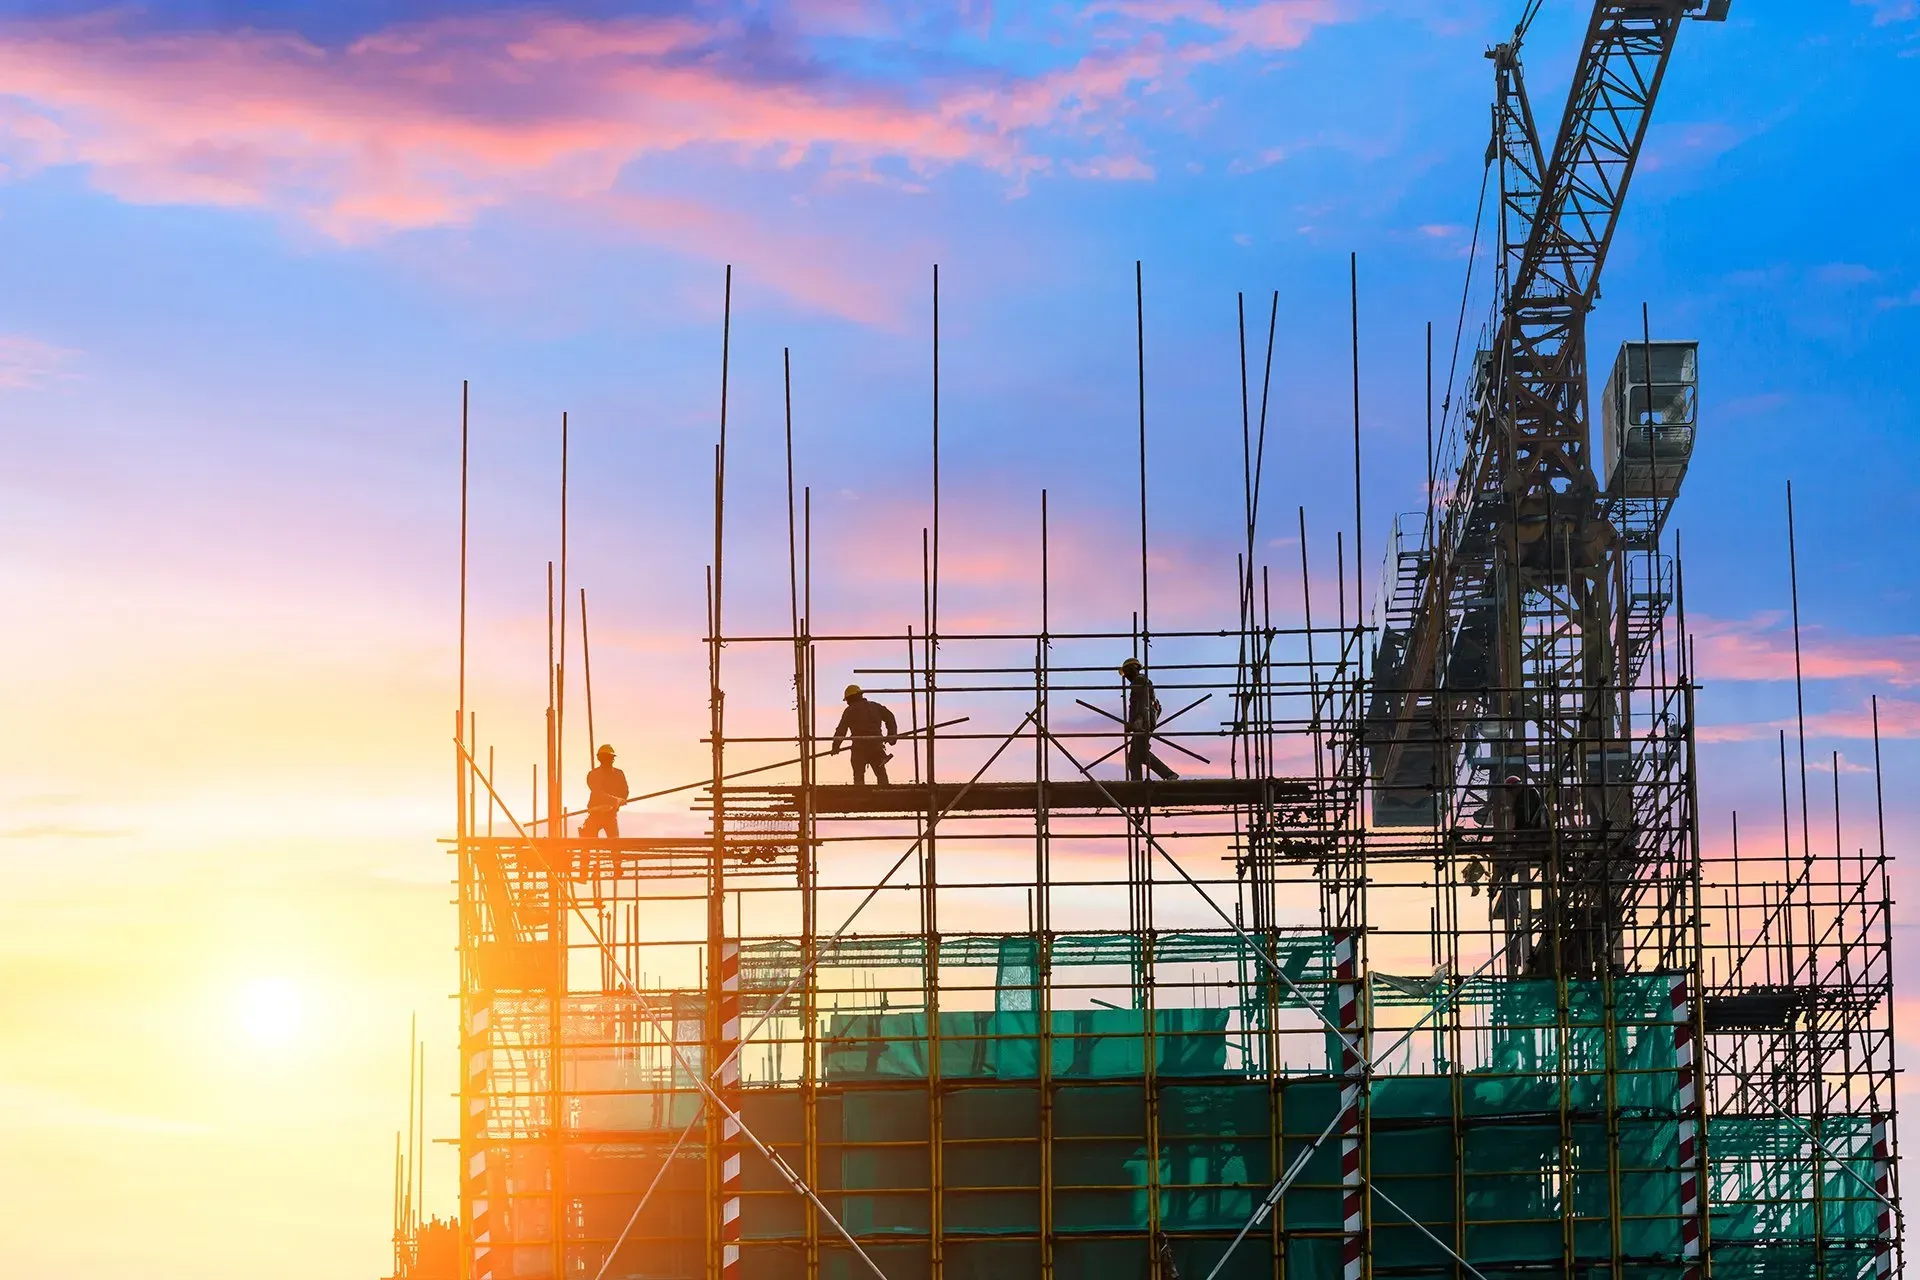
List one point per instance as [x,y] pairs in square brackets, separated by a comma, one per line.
[1883,1258]
[1687,1109]
[475,1188]
[729,1089]
[1346,972]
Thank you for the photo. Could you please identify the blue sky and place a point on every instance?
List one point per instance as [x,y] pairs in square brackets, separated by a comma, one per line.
[253,250]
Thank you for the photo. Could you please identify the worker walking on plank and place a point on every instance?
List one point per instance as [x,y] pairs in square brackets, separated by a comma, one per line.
[871,729]
[1143,716]
[606,792]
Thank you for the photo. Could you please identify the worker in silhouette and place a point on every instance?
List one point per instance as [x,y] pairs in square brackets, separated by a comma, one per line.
[871,729]
[606,792]
[1142,716]
[1526,811]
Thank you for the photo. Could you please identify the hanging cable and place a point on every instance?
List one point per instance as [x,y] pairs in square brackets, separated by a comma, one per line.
[1526,20]
[1466,289]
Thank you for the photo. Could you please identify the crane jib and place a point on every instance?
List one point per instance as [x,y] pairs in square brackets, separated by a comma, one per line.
[1510,633]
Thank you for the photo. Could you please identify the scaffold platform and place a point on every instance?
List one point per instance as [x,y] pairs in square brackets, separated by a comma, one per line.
[921,799]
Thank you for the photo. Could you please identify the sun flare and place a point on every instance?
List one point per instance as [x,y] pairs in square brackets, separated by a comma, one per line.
[270,1012]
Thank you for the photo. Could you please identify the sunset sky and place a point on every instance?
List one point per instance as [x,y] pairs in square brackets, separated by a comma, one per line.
[251,249]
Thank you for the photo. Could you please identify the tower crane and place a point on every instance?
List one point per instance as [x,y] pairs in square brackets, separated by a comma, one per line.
[1520,613]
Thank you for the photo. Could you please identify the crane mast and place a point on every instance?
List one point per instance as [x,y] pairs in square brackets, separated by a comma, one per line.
[1510,633]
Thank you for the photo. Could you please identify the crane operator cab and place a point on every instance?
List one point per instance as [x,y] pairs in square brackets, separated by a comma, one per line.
[1647,418]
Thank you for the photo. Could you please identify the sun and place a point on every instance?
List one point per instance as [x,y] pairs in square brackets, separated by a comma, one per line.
[270,1012]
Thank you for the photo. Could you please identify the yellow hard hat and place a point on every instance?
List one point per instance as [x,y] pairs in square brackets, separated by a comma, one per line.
[606,752]
[1131,664]
[853,691]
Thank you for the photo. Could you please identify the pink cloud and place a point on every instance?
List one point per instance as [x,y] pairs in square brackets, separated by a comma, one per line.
[1066,96]
[431,124]
[990,569]
[1692,144]
[823,271]
[1711,733]
[1899,718]
[26,361]
[1761,648]
[1276,24]
[426,125]
[1889,11]
[1119,168]
[1252,164]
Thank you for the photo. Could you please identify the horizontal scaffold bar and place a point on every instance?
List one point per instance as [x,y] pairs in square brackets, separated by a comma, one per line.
[1026,797]
[983,950]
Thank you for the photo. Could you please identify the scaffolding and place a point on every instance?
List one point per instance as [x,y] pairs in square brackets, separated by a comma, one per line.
[1013,1014]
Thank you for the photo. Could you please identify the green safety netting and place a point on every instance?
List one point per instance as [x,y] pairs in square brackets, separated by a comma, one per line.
[1087,1044]
[1782,1206]
[1563,1135]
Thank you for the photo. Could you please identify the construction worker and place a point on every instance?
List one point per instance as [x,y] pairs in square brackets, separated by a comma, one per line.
[606,792]
[1142,716]
[1525,809]
[872,729]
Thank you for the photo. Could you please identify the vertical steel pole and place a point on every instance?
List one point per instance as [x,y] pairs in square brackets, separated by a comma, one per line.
[475,1227]
[803,856]
[936,1112]
[1359,555]
[723,1018]
[1043,900]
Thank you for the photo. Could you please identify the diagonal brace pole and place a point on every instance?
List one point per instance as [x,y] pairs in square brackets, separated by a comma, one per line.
[1299,1164]
[1141,829]
[658,1176]
[1155,733]
[1373,1189]
[714,1100]
[774,1008]
[1845,1162]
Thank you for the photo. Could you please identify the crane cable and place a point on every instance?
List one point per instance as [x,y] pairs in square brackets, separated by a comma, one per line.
[1466,290]
[1526,20]
[1527,15]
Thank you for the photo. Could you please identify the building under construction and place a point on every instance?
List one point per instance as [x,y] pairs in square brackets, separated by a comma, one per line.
[1421,969]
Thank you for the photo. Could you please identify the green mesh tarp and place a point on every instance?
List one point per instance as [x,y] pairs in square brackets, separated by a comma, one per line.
[1783,1205]
[1087,1044]
[1563,1137]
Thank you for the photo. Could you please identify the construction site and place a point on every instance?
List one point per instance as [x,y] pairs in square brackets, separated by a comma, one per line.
[1369,932]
